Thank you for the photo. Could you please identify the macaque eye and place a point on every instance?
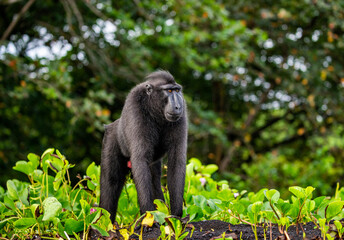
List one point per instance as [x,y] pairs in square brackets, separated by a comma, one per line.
[170,90]
[177,90]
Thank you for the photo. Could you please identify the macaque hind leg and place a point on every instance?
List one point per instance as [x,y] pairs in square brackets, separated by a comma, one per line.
[156,179]
[113,174]
[143,181]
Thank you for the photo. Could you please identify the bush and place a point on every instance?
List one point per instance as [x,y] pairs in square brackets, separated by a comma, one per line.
[49,206]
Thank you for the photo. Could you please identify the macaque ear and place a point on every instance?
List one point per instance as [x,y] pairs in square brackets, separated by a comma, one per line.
[149,89]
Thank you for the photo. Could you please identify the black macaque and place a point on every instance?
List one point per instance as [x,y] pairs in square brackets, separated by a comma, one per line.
[153,123]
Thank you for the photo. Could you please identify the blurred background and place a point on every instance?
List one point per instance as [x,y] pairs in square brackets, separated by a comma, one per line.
[263,80]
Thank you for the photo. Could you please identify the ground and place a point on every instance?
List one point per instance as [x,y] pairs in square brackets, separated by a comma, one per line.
[215,229]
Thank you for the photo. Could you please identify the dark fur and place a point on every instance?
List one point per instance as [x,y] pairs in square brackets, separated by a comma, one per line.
[143,135]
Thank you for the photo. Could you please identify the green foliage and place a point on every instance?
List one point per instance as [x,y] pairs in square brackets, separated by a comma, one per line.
[339,228]
[262,79]
[275,171]
[49,206]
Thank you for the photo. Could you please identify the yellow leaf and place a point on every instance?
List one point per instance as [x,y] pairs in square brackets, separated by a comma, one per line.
[310,99]
[251,57]
[148,221]
[237,143]
[329,36]
[304,82]
[300,131]
[106,112]
[323,129]
[168,230]
[247,137]
[329,120]
[125,233]
[283,14]
[323,74]
[252,111]
[98,113]
[68,103]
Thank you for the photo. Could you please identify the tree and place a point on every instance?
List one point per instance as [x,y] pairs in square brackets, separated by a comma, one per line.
[259,77]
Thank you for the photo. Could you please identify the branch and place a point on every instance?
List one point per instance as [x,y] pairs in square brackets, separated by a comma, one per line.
[97,12]
[241,220]
[16,19]
[272,121]
[285,142]
[262,99]
[227,159]
[141,10]
[77,13]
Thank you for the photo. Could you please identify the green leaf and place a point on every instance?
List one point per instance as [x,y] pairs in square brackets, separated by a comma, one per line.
[85,207]
[23,196]
[238,207]
[34,160]
[200,201]
[61,229]
[320,201]
[73,226]
[256,207]
[12,191]
[308,191]
[310,205]
[284,221]
[159,216]
[225,195]
[93,172]
[175,225]
[272,195]
[24,223]
[33,208]
[55,163]
[102,231]
[195,212]
[299,192]
[184,235]
[196,162]
[333,209]
[161,206]
[92,169]
[189,170]
[285,207]
[22,166]
[48,151]
[62,157]
[9,202]
[210,169]
[339,225]
[51,208]
[212,204]
[92,218]
[58,180]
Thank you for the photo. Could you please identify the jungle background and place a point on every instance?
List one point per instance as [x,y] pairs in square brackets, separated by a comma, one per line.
[263,80]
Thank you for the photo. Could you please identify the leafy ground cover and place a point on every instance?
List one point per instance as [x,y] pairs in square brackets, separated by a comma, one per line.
[49,207]
[216,229]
